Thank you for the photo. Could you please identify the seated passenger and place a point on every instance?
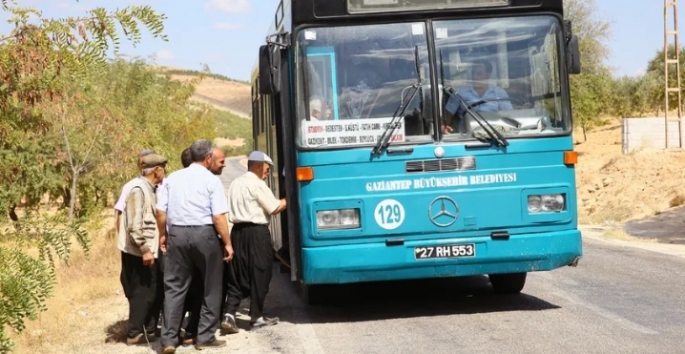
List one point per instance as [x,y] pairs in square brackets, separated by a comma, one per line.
[480,90]
[317,108]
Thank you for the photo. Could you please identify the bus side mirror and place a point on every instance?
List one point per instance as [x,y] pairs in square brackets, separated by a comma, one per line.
[269,70]
[573,55]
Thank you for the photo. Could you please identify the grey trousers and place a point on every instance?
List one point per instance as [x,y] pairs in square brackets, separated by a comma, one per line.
[189,248]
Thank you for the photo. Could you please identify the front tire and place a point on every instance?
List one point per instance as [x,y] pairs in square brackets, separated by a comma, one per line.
[511,283]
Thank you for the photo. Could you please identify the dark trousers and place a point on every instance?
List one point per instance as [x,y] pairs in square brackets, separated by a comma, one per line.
[250,271]
[196,294]
[189,248]
[193,303]
[143,288]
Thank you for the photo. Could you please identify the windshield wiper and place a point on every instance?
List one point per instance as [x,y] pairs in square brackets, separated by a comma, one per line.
[384,141]
[494,134]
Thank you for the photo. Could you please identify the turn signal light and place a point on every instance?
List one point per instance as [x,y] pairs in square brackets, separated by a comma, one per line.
[570,157]
[305,174]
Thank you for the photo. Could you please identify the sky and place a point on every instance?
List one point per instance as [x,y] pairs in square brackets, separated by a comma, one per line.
[226,34]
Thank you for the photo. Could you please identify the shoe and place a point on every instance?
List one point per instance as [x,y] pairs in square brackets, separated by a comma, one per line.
[264,321]
[169,350]
[140,339]
[187,340]
[217,343]
[229,325]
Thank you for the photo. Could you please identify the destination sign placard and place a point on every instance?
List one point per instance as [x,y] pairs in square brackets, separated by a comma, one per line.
[349,132]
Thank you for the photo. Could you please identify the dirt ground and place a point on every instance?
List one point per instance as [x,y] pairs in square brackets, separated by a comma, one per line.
[613,187]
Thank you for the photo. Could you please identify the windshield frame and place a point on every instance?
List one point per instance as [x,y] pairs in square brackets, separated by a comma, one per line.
[301,104]
[436,136]
[564,81]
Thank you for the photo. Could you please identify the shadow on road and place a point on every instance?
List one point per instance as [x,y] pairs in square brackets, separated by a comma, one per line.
[408,299]
[667,227]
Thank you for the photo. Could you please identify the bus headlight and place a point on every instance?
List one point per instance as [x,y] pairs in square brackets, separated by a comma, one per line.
[337,219]
[546,203]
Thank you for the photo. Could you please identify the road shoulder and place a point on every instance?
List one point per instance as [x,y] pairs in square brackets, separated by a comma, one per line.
[596,233]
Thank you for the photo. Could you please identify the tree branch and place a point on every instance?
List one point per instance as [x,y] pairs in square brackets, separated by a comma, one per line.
[66,142]
[92,144]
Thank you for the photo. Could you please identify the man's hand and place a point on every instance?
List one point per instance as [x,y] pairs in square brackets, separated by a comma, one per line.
[228,252]
[148,259]
[446,129]
[162,243]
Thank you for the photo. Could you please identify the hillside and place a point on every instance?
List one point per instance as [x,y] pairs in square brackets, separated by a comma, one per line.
[232,99]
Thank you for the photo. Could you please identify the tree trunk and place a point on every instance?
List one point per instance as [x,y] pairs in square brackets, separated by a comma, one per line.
[584,133]
[72,201]
[66,196]
[13,214]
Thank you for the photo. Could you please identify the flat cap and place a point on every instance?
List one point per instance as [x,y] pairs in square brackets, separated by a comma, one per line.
[258,156]
[153,160]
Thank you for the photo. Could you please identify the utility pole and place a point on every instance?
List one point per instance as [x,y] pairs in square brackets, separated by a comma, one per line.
[670,61]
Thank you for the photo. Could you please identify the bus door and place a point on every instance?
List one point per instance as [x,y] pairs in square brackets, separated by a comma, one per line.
[272,180]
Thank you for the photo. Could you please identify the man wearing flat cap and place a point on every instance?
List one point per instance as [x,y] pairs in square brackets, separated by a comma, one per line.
[250,206]
[138,241]
[119,206]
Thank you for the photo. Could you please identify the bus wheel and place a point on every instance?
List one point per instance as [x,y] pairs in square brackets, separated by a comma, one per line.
[511,283]
[311,294]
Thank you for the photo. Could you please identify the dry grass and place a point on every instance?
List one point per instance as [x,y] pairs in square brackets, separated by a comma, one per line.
[224,95]
[70,311]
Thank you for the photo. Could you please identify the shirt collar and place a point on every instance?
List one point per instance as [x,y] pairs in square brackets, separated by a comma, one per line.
[148,183]
[490,87]
[196,166]
[252,175]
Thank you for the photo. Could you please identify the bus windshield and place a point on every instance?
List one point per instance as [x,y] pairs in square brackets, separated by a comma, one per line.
[356,77]
[505,70]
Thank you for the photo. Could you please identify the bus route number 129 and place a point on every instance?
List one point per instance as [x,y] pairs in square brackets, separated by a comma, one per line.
[389,214]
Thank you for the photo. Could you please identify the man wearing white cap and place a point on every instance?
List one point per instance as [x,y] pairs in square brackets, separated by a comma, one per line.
[250,206]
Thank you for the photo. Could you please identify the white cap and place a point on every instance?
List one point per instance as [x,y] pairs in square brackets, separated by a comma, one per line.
[259,156]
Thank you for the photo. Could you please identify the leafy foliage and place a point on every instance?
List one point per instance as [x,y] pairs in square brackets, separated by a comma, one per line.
[71,121]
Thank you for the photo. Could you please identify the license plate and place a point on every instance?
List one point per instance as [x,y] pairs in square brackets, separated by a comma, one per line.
[446,251]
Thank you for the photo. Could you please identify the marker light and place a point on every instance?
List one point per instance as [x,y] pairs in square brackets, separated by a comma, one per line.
[305,174]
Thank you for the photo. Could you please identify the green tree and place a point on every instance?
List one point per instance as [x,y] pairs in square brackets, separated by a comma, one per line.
[590,90]
[655,69]
[35,60]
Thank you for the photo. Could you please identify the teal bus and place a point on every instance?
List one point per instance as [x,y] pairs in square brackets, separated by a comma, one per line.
[419,139]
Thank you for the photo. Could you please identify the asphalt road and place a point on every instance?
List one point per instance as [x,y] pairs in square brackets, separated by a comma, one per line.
[618,300]
[667,227]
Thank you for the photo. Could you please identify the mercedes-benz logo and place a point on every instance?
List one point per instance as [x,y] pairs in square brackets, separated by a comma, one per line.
[443,211]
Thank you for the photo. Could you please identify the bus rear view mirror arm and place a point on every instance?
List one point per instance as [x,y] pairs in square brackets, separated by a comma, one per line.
[572,49]
[270,63]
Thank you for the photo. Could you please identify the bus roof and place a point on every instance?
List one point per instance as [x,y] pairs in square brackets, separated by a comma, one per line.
[331,11]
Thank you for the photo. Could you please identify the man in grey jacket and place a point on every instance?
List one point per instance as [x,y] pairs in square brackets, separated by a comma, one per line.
[138,241]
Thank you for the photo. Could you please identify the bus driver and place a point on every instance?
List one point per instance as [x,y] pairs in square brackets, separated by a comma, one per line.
[480,90]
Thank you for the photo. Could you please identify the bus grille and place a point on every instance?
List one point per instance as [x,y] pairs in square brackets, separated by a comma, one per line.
[458,164]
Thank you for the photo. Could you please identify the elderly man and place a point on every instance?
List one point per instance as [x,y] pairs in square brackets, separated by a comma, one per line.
[119,206]
[193,301]
[251,204]
[194,202]
[138,241]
